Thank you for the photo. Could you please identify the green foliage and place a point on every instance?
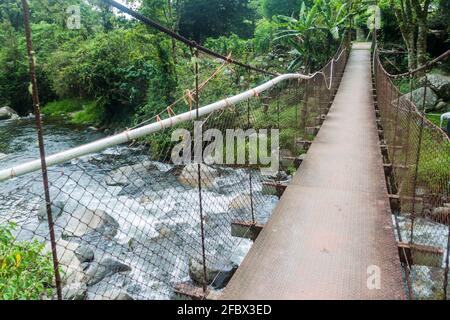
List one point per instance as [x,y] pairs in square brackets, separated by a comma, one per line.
[26,273]
[200,19]
[313,37]
[264,33]
[62,107]
[288,8]
[92,114]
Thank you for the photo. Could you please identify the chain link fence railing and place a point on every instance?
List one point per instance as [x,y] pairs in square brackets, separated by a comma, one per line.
[417,163]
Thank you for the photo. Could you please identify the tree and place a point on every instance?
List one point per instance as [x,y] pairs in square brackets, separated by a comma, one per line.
[200,19]
[288,8]
[412,17]
[313,35]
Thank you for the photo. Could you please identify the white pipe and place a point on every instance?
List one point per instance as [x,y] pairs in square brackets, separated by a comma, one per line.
[130,135]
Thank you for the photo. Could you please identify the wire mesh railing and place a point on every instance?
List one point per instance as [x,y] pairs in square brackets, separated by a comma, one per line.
[130,223]
[417,160]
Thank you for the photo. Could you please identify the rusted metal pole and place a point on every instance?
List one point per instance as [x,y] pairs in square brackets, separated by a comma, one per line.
[202,226]
[446,270]
[40,134]
[417,163]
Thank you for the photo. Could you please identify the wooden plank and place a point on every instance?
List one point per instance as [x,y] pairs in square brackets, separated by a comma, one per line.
[420,255]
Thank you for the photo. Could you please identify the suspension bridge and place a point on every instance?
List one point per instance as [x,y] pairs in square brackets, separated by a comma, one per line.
[365,214]
[333,222]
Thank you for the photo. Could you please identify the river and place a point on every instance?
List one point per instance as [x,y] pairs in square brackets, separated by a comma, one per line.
[149,226]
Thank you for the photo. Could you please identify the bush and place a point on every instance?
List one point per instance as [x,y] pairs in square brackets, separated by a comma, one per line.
[26,273]
[92,114]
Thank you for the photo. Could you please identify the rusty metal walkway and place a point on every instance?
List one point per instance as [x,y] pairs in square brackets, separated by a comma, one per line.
[332,228]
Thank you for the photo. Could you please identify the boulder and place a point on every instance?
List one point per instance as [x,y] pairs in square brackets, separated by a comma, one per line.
[107,266]
[70,266]
[417,97]
[240,202]
[74,291]
[441,106]
[2,156]
[8,113]
[189,175]
[439,83]
[441,214]
[125,175]
[217,275]
[84,221]
[84,254]
[57,209]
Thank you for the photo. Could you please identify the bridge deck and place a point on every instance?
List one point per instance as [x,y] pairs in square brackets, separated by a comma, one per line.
[333,222]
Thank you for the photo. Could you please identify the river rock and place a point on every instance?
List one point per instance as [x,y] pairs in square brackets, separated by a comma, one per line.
[441,106]
[3,156]
[84,221]
[8,113]
[439,83]
[57,209]
[84,254]
[125,175]
[240,202]
[218,275]
[107,266]
[417,97]
[441,214]
[70,266]
[189,175]
[74,291]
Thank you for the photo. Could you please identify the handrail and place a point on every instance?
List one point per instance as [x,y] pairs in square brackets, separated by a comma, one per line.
[130,135]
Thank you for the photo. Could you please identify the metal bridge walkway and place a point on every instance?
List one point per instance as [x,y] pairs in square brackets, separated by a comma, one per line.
[333,223]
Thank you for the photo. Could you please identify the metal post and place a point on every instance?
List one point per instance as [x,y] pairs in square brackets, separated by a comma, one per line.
[416,169]
[250,170]
[446,270]
[202,226]
[40,134]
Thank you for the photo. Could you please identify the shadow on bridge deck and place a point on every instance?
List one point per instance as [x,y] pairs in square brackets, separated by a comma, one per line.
[332,228]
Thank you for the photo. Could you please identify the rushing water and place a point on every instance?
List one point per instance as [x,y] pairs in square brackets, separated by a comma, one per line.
[157,217]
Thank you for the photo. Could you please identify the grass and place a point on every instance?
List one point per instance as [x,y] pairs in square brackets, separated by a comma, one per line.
[62,107]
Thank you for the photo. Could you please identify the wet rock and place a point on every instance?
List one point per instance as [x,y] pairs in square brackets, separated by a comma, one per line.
[107,266]
[240,202]
[57,209]
[441,214]
[441,107]
[8,113]
[84,221]
[417,97]
[439,83]
[84,254]
[128,174]
[189,175]
[2,156]
[218,275]
[74,291]
[70,266]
